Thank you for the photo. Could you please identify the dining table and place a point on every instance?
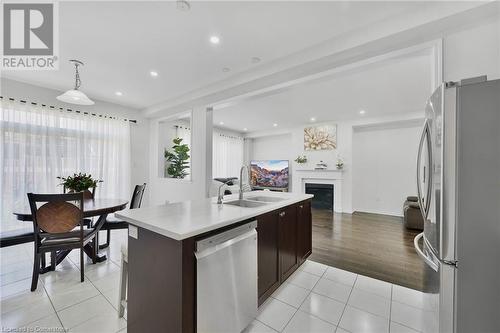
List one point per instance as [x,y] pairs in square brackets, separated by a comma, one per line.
[92,207]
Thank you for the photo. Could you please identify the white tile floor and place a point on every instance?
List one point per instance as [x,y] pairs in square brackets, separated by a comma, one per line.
[316,298]
[61,302]
[319,298]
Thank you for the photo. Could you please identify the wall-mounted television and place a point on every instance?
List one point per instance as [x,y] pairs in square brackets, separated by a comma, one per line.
[271,174]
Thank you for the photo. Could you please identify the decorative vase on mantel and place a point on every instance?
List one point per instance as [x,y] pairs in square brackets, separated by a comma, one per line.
[321,166]
[339,164]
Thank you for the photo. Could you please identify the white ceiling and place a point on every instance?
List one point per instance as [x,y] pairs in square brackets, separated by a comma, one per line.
[120,42]
[397,86]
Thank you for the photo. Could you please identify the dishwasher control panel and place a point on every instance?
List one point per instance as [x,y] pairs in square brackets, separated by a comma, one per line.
[224,236]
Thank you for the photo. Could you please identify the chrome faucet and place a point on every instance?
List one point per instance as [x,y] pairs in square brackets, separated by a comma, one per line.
[241,180]
[221,195]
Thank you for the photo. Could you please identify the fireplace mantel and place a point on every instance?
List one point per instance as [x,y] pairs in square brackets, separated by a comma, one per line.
[328,176]
[326,173]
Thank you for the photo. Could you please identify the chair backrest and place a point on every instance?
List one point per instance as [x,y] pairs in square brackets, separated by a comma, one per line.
[136,200]
[58,215]
[87,194]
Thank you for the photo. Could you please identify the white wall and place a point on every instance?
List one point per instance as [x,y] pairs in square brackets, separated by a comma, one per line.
[384,168]
[473,52]
[274,147]
[139,135]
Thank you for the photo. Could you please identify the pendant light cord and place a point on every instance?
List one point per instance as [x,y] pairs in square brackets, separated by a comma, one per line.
[78,82]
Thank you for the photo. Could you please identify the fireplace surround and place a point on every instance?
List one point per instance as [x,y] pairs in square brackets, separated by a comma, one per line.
[333,177]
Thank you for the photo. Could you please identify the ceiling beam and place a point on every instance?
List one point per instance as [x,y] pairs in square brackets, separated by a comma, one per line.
[401,32]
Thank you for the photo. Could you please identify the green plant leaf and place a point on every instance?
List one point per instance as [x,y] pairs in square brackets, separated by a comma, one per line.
[177,159]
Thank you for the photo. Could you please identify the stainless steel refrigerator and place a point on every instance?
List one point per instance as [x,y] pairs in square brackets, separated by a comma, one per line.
[458,181]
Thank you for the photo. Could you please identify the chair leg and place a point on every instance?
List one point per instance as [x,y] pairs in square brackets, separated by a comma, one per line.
[108,238]
[123,288]
[36,271]
[53,261]
[42,260]
[94,250]
[81,265]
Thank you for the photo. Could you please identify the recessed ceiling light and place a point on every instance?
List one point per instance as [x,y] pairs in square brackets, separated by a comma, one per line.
[313,119]
[221,123]
[255,60]
[245,129]
[226,69]
[153,73]
[214,40]
[183,5]
[118,93]
[275,125]
[362,111]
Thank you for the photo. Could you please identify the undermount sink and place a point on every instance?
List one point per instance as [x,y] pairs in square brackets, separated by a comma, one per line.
[265,199]
[245,203]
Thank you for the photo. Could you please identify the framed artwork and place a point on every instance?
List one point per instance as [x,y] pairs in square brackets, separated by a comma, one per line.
[320,137]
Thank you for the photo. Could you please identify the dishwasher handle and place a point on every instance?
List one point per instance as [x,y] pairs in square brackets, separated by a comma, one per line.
[217,242]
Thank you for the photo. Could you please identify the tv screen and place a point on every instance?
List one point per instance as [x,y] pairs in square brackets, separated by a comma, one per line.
[269,174]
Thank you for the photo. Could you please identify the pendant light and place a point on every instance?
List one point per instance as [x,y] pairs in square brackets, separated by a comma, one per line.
[75,96]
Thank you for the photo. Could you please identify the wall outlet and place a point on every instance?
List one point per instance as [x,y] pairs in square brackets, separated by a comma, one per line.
[133,231]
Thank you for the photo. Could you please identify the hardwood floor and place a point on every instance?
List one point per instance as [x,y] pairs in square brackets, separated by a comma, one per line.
[369,244]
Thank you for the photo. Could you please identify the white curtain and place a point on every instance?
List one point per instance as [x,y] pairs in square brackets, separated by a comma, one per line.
[38,144]
[227,157]
[184,133]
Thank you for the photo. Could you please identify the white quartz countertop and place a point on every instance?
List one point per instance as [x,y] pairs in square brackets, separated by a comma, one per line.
[186,219]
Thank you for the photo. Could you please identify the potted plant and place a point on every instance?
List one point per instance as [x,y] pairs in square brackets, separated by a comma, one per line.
[339,164]
[79,182]
[301,159]
[177,160]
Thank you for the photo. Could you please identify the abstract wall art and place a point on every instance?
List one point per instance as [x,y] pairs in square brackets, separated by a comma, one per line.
[320,137]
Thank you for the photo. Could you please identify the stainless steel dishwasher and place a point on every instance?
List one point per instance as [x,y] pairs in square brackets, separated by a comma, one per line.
[227,280]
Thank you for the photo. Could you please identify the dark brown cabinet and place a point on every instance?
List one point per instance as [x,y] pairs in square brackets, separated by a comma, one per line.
[304,231]
[288,241]
[267,254]
[283,243]
[165,298]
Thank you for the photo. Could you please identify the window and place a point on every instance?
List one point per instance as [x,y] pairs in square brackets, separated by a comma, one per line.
[170,129]
[227,157]
[38,144]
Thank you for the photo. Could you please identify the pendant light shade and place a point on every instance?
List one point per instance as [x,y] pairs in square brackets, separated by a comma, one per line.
[75,96]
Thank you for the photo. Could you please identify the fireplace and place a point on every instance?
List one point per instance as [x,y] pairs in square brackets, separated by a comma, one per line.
[323,195]
[323,177]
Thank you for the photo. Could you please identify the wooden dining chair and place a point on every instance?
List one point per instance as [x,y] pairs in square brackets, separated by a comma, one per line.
[112,223]
[87,194]
[58,225]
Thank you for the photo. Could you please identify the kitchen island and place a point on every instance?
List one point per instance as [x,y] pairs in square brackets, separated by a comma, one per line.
[162,277]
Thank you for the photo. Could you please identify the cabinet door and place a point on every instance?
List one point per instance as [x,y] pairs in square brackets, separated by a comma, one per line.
[288,240]
[267,255]
[304,231]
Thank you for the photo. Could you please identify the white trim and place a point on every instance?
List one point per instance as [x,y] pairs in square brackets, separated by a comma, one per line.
[437,64]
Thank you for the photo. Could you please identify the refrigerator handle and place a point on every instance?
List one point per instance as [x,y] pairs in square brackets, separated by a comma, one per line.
[430,172]
[419,159]
[421,253]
